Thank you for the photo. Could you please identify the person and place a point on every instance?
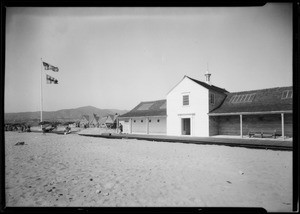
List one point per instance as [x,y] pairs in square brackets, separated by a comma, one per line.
[121,128]
[44,130]
[67,130]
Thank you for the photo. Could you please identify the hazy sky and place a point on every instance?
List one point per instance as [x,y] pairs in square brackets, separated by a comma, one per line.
[118,57]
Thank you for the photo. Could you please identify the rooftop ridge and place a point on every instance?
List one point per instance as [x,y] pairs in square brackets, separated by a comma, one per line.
[264,89]
[204,84]
[153,101]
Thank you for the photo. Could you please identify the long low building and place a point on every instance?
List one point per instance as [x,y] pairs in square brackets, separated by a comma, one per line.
[196,108]
[146,118]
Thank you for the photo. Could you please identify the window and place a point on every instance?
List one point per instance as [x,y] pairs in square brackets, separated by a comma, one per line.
[287,94]
[251,98]
[163,106]
[242,98]
[212,99]
[145,106]
[284,94]
[232,98]
[247,97]
[235,98]
[185,100]
[239,99]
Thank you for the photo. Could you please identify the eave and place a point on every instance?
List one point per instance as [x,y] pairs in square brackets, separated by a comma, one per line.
[251,113]
[142,116]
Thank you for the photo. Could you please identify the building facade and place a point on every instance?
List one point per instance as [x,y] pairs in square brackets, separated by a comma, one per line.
[188,104]
[267,110]
[196,108]
[146,118]
[95,121]
[84,121]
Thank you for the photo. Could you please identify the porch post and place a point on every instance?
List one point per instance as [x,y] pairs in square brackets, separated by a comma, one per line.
[282,125]
[241,125]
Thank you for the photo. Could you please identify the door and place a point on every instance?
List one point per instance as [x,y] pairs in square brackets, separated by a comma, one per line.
[186,126]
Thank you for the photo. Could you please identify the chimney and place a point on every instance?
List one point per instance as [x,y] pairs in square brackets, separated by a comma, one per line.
[207,77]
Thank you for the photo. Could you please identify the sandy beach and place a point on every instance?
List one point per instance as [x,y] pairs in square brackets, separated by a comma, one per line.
[72,170]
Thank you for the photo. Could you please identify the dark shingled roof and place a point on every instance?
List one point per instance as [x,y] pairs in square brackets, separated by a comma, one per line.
[211,87]
[158,108]
[265,100]
[87,117]
[96,117]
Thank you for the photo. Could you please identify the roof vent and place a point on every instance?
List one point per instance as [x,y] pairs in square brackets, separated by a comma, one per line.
[207,77]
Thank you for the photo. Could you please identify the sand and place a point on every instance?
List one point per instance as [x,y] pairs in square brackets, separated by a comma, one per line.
[72,170]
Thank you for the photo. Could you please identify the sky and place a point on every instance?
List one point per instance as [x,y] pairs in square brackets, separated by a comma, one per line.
[115,58]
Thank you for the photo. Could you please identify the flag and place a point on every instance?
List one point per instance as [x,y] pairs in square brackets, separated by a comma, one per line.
[51,80]
[47,66]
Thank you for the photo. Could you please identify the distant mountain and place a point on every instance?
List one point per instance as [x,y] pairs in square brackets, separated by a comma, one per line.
[61,115]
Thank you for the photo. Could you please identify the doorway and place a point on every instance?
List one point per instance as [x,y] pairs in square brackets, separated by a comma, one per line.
[186,126]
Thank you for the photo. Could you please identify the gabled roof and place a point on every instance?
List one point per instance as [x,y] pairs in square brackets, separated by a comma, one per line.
[265,100]
[95,118]
[86,117]
[149,108]
[111,118]
[205,85]
[103,120]
[210,87]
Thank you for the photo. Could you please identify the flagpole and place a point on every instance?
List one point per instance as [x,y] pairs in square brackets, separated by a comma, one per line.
[41,91]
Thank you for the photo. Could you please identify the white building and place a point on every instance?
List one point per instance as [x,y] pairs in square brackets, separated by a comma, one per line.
[196,108]
[145,118]
[188,104]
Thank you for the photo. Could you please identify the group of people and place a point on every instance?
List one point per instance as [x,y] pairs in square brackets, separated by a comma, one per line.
[50,128]
[26,128]
[17,127]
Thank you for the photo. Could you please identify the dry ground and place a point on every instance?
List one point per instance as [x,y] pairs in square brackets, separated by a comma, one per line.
[73,170]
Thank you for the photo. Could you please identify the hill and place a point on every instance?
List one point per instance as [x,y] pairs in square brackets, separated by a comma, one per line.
[60,115]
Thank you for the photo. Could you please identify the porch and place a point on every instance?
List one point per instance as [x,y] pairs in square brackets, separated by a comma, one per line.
[243,123]
[236,141]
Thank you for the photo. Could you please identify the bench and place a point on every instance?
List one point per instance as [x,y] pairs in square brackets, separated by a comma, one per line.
[261,134]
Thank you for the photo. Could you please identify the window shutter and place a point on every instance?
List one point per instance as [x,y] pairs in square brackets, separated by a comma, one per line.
[212,99]
[185,100]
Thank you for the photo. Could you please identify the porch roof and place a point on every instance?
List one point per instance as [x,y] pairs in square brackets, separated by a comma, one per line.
[265,101]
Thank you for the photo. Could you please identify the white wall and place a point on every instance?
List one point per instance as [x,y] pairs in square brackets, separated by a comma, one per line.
[126,125]
[197,109]
[157,127]
[139,127]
